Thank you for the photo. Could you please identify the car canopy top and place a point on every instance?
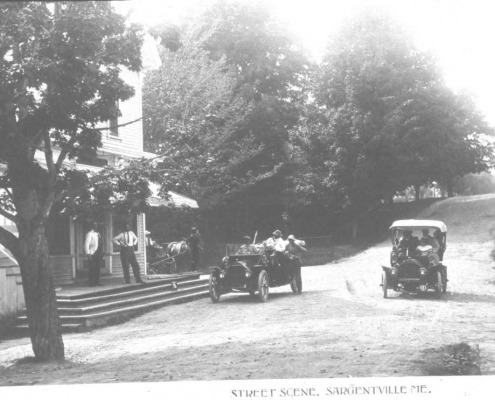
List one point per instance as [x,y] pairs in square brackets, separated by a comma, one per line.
[418,224]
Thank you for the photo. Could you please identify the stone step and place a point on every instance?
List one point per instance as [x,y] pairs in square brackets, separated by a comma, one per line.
[138,298]
[114,305]
[138,290]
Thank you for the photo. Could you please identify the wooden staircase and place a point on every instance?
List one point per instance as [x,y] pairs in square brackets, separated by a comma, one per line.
[105,306]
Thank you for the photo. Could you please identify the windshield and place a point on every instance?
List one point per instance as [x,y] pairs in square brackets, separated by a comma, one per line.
[243,249]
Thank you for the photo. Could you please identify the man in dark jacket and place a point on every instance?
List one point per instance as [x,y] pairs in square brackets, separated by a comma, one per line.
[194,243]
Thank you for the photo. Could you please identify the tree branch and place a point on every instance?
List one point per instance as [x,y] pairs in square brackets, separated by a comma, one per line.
[49,155]
[8,215]
[63,153]
[10,241]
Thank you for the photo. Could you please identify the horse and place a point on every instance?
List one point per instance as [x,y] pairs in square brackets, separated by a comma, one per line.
[179,253]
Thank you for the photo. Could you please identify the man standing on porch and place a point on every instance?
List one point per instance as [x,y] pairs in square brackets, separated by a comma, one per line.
[93,248]
[127,240]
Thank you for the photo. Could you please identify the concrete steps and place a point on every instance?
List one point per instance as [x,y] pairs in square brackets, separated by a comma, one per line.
[81,311]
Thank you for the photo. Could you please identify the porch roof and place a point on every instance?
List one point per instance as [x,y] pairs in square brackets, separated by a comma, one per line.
[174,200]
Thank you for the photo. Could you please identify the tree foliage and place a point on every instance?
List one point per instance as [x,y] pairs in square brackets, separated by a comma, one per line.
[382,119]
[221,105]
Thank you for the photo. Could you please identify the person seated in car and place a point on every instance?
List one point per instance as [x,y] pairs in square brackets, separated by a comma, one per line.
[247,247]
[408,243]
[427,239]
[275,247]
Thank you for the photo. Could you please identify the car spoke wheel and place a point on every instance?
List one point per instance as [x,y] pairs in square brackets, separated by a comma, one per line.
[263,286]
[214,288]
[439,285]
[384,284]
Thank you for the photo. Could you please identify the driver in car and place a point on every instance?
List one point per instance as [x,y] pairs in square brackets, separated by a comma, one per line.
[247,247]
[408,243]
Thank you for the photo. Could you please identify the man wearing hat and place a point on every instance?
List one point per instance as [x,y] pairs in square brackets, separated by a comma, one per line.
[247,247]
[294,249]
[276,246]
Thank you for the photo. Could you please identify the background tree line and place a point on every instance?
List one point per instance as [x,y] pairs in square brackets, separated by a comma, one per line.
[250,127]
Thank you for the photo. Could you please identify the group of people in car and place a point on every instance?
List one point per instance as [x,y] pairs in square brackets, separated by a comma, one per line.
[279,250]
[410,243]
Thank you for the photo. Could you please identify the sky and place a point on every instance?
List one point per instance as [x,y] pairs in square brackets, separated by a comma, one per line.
[459,33]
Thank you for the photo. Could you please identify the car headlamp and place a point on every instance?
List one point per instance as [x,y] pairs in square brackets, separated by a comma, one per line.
[247,274]
[422,271]
[393,271]
[222,275]
[393,258]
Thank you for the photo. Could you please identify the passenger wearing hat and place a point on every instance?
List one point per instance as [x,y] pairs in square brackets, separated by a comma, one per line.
[275,246]
[275,243]
[247,247]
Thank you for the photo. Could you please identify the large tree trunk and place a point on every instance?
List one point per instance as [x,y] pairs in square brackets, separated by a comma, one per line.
[41,302]
[32,206]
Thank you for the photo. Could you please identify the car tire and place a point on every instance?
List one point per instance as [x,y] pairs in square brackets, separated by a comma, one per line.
[384,284]
[214,288]
[439,285]
[263,287]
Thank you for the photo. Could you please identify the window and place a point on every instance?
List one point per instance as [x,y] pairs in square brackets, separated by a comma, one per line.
[57,231]
[114,122]
[118,222]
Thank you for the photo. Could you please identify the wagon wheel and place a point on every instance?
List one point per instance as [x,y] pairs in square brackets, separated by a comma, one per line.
[439,285]
[263,286]
[384,284]
[214,288]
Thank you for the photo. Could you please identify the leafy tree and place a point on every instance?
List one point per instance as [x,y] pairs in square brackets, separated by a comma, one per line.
[224,100]
[59,78]
[382,120]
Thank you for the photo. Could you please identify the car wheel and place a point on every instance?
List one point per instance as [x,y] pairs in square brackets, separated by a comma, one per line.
[263,286]
[384,284]
[214,288]
[439,285]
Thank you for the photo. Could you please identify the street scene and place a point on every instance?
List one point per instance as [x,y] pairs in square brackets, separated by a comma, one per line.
[339,326]
[201,191]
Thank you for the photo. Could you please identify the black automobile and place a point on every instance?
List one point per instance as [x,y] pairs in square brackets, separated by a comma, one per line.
[416,259]
[253,273]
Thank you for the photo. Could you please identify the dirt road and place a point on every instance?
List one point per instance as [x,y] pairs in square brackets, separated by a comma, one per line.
[339,326]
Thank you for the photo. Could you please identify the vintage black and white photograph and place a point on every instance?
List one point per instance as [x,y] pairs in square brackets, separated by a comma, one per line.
[247,191]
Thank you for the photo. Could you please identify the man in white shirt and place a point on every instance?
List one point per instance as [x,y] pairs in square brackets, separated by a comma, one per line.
[275,246]
[93,248]
[127,240]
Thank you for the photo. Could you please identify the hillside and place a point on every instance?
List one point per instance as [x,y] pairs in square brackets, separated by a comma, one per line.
[468,218]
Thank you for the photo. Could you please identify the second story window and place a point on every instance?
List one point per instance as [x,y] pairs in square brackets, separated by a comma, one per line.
[114,123]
